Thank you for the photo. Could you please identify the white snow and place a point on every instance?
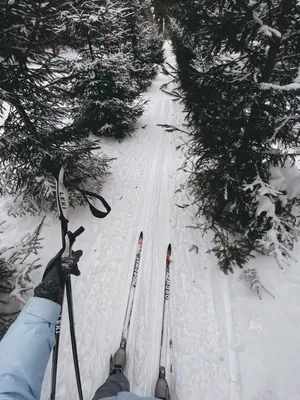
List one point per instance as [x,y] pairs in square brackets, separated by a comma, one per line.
[290,86]
[286,179]
[265,205]
[227,343]
[265,29]
[268,31]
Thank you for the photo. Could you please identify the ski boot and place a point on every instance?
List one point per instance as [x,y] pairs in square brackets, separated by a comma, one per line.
[118,361]
[162,387]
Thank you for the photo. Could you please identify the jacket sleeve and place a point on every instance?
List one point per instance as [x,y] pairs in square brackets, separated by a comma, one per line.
[25,350]
[129,396]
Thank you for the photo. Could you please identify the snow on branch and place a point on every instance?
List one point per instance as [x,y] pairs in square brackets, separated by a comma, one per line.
[275,219]
[250,276]
[15,275]
[291,86]
[265,29]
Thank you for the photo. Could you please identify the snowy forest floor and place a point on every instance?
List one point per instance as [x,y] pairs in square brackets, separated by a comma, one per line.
[226,342]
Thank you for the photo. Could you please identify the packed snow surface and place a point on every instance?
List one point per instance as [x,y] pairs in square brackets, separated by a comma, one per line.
[227,343]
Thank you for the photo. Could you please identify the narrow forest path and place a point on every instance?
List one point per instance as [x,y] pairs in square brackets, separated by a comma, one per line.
[143,195]
[227,344]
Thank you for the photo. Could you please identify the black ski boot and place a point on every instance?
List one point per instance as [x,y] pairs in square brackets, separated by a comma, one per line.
[162,387]
[118,361]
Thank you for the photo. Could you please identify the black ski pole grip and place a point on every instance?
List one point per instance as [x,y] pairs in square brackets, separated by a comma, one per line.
[73,235]
[79,231]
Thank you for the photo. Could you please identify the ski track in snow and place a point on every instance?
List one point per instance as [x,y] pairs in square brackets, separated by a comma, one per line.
[142,195]
[227,344]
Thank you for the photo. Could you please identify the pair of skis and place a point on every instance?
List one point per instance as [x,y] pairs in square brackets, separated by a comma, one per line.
[165,315]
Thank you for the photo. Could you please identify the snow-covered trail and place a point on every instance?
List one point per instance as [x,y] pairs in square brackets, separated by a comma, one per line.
[227,344]
[142,195]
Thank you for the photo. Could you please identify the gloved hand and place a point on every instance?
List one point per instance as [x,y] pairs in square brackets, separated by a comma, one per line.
[57,272]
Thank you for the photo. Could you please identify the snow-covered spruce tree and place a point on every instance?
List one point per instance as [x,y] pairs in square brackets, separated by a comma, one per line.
[105,99]
[239,72]
[35,134]
[141,33]
[16,266]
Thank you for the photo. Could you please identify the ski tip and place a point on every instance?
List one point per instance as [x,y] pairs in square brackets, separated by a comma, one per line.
[141,235]
[169,248]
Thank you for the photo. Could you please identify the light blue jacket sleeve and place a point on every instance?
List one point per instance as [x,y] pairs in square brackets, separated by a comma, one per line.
[25,350]
[128,396]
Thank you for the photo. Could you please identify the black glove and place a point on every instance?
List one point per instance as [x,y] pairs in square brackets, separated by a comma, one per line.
[57,272]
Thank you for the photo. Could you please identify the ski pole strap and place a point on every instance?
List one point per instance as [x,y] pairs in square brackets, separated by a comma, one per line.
[97,213]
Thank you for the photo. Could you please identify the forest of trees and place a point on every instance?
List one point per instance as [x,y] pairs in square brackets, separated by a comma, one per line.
[72,69]
[238,73]
[68,69]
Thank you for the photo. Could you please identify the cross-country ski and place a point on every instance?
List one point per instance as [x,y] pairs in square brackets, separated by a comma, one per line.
[165,319]
[131,295]
[164,344]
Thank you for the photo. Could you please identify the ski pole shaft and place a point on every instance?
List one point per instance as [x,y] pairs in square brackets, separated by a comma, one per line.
[73,337]
[55,354]
[54,369]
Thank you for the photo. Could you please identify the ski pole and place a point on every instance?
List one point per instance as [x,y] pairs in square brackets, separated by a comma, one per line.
[68,239]
[72,323]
